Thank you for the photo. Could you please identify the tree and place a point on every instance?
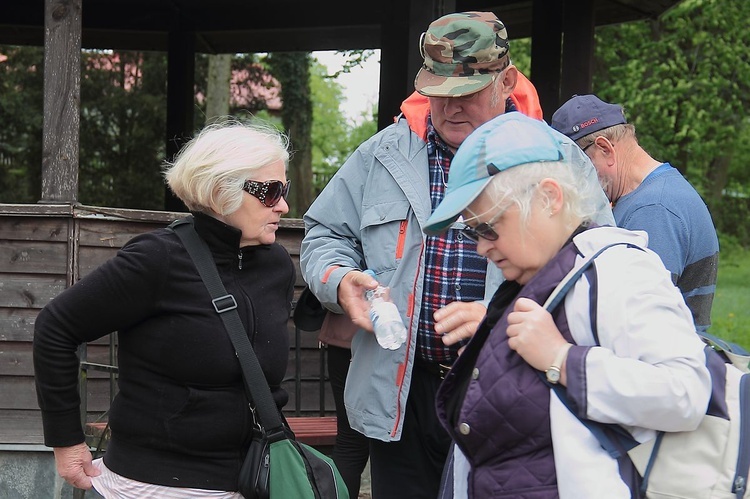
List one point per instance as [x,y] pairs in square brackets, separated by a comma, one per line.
[292,70]
[217,87]
[122,127]
[248,87]
[334,137]
[123,119]
[683,83]
[21,112]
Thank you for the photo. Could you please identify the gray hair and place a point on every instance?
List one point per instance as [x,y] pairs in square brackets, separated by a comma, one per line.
[209,171]
[518,186]
[613,134]
[496,81]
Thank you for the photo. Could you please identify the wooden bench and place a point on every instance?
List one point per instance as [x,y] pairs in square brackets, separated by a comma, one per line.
[319,432]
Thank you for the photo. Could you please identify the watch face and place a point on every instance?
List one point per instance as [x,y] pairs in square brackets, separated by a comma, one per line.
[553,375]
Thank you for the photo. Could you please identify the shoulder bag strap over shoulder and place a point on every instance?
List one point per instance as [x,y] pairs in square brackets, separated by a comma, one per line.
[615,443]
[226,306]
[613,438]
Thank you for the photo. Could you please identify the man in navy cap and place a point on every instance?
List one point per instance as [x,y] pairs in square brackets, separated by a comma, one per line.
[648,195]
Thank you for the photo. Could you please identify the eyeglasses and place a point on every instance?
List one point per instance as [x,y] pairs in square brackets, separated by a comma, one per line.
[594,142]
[269,193]
[483,230]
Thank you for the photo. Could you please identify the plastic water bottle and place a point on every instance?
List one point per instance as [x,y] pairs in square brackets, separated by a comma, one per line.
[386,320]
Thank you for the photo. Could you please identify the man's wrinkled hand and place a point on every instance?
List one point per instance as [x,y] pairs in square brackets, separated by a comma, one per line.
[351,296]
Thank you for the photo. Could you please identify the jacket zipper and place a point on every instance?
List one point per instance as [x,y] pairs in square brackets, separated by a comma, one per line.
[401,239]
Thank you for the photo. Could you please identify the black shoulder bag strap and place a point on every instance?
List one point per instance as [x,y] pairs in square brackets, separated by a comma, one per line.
[226,306]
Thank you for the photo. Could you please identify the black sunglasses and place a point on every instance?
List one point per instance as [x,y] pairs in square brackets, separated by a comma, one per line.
[483,230]
[269,192]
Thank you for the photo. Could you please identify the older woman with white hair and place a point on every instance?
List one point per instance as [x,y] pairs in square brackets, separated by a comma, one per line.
[622,343]
[180,423]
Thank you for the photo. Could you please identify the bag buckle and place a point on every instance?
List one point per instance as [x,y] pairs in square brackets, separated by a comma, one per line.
[224,303]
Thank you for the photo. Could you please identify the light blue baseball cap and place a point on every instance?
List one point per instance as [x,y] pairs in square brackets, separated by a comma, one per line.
[508,140]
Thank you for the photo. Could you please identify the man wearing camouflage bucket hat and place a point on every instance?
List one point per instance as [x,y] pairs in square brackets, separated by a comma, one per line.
[370,216]
[463,53]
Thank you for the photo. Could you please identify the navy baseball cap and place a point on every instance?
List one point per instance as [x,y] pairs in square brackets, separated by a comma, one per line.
[508,140]
[585,114]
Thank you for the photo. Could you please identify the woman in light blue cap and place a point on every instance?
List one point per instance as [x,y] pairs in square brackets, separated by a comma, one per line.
[622,342]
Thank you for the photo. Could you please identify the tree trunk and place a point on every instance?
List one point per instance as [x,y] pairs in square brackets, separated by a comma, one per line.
[292,70]
[217,91]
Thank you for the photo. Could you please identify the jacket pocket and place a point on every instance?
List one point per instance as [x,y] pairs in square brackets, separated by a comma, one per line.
[215,419]
[384,228]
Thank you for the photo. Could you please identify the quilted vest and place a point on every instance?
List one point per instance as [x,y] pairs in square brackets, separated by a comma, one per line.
[496,407]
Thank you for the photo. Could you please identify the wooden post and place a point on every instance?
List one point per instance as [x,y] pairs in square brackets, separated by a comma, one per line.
[546,43]
[578,49]
[62,100]
[399,50]
[393,62]
[180,95]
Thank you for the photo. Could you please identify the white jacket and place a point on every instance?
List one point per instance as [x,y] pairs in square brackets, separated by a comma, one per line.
[648,372]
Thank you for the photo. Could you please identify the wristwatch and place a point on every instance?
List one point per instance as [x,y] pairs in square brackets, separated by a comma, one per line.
[553,373]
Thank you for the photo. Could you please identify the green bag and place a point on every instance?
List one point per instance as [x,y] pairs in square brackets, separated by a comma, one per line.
[300,471]
[279,467]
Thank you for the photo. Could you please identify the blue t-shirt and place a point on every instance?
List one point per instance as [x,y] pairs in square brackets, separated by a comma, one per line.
[680,230]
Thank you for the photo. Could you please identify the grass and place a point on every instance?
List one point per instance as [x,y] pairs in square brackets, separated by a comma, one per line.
[730,315]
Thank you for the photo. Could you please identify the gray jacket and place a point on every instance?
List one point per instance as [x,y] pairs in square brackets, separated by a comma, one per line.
[370,215]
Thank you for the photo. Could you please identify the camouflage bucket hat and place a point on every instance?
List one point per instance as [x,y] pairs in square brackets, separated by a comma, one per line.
[462,54]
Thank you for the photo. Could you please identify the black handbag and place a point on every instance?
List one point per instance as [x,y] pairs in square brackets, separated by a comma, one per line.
[255,473]
[276,466]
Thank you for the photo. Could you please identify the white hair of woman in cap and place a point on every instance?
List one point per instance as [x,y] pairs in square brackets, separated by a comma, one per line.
[622,342]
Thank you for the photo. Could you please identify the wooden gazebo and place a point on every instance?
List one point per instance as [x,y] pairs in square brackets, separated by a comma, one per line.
[46,247]
[562,33]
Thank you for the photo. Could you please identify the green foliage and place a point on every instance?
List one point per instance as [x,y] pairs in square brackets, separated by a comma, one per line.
[731,214]
[682,79]
[21,103]
[354,58]
[123,119]
[121,129]
[366,129]
[520,54]
[334,138]
[292,70]
[730,315]
[329,126]
[684,84]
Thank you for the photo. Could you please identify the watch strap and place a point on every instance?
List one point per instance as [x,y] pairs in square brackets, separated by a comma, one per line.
[562,354]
